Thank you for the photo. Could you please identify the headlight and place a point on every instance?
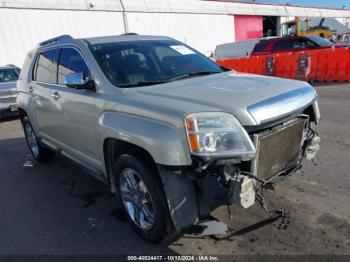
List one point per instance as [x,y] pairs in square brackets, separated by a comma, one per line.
[218,134]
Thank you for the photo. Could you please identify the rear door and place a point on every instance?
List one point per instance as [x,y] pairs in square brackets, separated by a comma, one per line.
[44,84]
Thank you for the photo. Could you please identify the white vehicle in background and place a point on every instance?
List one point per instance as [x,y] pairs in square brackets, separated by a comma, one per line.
[8,91]
[237,49]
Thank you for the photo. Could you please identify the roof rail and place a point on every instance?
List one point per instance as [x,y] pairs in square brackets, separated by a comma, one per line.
[130,34]
[56,39]
[12,65]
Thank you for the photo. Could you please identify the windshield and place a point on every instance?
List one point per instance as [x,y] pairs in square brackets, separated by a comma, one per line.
[320,41]
[133,63]
[8,75]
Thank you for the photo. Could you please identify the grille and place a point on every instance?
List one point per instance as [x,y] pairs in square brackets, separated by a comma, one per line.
[279,149]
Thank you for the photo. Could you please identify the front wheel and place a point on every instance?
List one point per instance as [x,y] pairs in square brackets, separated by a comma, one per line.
[40,153]
[144,202]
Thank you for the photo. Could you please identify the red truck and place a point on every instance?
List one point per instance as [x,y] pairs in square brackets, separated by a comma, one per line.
[291,44]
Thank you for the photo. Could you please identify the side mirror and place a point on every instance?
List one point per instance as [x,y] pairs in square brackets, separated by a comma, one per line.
[78,81]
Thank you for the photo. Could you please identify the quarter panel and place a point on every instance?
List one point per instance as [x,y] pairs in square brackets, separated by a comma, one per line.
[24,101]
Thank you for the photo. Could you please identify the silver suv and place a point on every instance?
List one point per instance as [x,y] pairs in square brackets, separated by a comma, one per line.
[173,134]
[8,92]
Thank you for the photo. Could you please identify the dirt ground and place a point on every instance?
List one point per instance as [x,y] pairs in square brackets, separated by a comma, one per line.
[56,208]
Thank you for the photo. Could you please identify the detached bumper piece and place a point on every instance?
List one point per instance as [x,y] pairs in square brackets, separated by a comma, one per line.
[313,147]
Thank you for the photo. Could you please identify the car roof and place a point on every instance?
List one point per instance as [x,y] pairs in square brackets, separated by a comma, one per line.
[9,67]
[64,39]
[276,39]
[124,38]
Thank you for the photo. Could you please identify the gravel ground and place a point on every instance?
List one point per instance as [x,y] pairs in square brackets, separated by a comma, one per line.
[57,209]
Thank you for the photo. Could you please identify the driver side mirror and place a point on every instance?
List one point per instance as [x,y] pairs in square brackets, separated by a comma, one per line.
[78,81]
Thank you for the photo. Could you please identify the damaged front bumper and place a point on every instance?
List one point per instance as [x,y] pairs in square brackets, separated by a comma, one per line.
[193,193]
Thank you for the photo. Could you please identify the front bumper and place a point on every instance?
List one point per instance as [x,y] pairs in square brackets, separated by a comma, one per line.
[8,106]
[193,193]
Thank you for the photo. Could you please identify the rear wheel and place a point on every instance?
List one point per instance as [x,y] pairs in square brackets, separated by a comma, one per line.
[143,200]
[40,153]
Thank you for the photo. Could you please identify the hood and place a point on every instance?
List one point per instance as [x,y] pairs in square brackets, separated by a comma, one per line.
[253,99]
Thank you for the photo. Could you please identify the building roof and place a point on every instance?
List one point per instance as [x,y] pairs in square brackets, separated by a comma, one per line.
[178,6]
[278,4]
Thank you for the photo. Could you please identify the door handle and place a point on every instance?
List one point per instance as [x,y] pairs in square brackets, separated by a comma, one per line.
[55,95]
[30,89]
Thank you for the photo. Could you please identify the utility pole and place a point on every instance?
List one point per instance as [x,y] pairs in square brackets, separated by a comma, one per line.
[125,18]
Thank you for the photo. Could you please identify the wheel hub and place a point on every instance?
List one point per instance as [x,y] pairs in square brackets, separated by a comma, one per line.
[136,199]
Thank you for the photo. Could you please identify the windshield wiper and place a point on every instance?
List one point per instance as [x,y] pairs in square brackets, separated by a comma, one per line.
[156,82]
[199,73]
[142,83]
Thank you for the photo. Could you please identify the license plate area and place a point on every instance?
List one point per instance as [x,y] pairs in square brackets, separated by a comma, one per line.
[278,149]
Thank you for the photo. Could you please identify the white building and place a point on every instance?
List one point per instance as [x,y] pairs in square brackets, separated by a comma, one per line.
[201,24]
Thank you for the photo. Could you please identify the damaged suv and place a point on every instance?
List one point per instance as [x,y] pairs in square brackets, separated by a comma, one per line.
[173,134]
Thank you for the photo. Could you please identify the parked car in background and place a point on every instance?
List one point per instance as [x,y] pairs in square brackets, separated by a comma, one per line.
[8,92]
[173,134]
[291,44]
[237,49]
[343,39]
[346,38]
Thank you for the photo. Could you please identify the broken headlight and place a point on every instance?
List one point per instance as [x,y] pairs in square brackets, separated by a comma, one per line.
[218,134]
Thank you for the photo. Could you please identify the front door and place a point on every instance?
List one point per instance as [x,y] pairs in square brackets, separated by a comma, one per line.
[75,108]
[68,118]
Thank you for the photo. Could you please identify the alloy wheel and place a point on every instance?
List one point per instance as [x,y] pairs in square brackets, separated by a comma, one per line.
[136,199]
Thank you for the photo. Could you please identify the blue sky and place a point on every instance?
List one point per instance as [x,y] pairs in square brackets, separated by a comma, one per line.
[323,3]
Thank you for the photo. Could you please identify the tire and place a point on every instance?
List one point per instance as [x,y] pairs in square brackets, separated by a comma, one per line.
[40,153]
[158,229]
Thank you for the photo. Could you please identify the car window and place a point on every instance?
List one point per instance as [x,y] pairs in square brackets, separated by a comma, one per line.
[260,47]
[128,63]
[319,41]
[46,68]
[71,62]
[283,45]
[310,43]
[299,43]
[8,75]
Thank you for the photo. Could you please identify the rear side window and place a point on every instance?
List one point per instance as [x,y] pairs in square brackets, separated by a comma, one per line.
[260,47]
[71,62]
[46,68]
[299,43]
